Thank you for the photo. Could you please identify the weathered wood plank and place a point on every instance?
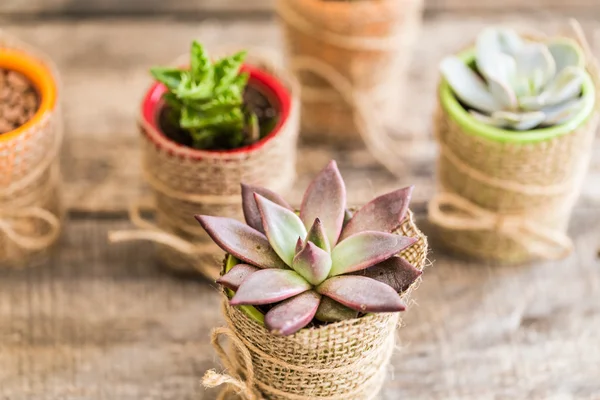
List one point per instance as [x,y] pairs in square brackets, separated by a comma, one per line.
[104,70]
[105,322]
[182,7]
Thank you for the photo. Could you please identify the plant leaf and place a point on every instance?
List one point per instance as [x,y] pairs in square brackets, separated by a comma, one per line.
[520,121]
[535,63]
[251,212]
[293,314]
[317,235]
[384,213]
[331,311]
[325,199]
[199,61]
[561,113]
[467,85]
[565,86]
[503,93]
[313,263]
[361,294]
[236,275]
[241,241]
[269,286]
[566,53]
[366,249]
[395,272]
[170,77]
[282,226]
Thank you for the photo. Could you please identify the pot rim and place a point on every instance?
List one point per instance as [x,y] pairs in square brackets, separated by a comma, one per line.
[265,82]
[40,76]
[472,126]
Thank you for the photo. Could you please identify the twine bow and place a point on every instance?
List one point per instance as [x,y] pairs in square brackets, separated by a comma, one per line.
[10,219]
[451,211]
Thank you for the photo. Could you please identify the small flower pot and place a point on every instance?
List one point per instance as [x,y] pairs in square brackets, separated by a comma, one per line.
[30,206]
[366,44]
[186,181]
[346,359]
[507,195]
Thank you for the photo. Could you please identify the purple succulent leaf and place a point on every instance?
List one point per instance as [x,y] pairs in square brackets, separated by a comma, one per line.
[347,217]
[282,226]
[313,263]
[366,249]
[384,213]
[241,241]
[251,213]
[293,314]
[331,311]
[325,199]
[317,235]
[395,272]
[361,294]
[299,245]
[269,286]
[236,275]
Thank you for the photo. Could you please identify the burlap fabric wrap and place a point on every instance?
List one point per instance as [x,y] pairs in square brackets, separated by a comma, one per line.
[509,202]
[347,360]
[30,202]
[367,43]
[200,182]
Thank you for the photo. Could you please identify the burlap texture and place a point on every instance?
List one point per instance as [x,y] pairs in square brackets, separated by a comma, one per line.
[186,184]
[346,360]
[30,203]
[558,165]
[368,42]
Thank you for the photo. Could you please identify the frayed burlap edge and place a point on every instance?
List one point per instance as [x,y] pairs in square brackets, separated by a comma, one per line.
[347,360]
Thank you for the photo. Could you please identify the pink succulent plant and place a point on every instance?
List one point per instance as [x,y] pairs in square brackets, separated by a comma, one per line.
[322,264]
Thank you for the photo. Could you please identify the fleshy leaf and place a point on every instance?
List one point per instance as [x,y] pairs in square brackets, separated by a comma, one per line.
[325,199]
[282,226]
[566,85]
[503,93]
[236,275]
[520,121]
[299,245]
[395,272]
[241,241]
[362,294]
[293,314]
[384,213]
[535,62]
[317,235]
[467,85]
[269,286]
[313,263]
[566,53]
[486,119]
[366,249]
[561,113]
[331,311]
[251,213]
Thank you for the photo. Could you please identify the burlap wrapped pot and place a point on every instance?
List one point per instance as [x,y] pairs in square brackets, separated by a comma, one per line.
[30,202]
[186,182]
[509,200]
[347,360]
[364,44]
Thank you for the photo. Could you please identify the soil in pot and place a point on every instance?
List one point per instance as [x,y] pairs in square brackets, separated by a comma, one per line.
[254,101]
[19,100]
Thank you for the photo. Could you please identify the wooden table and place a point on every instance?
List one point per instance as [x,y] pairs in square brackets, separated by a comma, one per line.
[105,321]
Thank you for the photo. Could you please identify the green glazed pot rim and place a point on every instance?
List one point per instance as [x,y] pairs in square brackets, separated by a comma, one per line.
[474,127]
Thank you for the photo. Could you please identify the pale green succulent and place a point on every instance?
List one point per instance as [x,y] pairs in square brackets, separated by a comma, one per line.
[517,83]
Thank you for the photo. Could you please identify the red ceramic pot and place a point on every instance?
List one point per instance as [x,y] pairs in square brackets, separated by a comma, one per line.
[275,92]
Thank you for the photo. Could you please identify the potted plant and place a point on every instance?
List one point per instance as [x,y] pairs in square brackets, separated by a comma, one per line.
[314,293]
[516,119]
[30,137]
[344,50]
[206,127]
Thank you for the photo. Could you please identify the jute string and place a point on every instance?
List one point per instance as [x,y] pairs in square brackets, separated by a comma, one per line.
[365,113]
[451,211]
[241,379]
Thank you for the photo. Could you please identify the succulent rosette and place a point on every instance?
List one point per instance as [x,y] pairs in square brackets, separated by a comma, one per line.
[323,264]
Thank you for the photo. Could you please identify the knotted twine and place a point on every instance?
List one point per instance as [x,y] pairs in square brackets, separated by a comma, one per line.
[351,58]
[186,182]
[347,360]
[510,202]
[30,205]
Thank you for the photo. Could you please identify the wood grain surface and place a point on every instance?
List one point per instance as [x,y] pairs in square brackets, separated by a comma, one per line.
[102,321]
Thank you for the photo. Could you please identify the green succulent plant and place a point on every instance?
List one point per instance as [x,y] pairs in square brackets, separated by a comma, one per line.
[206,100]
[519,84]
[323,263]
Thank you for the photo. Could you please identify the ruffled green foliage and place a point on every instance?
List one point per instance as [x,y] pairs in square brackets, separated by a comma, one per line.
[206,100]
[325,263]
[519,84]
